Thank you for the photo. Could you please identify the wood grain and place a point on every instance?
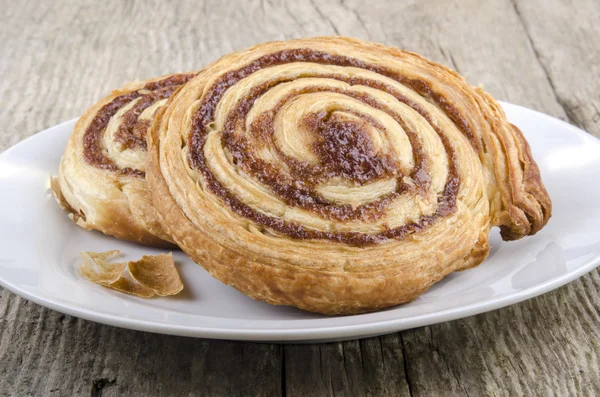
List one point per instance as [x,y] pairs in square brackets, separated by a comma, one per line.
[58,57]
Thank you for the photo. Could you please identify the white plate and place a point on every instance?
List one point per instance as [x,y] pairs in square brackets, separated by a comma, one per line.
[39,248]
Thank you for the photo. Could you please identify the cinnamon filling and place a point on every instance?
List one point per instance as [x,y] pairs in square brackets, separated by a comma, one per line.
[132,132]
[296,188]
[354,161]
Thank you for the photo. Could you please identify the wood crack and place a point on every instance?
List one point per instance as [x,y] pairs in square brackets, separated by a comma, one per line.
[98,386]
[381,349]
[362,354]
[344,361]
[454,62]
[356,15]
[517,372]
[448,55]
[325,17]
[456,378]
[596,117]
[405,366]
[283,380]
[571,117]
[293,16]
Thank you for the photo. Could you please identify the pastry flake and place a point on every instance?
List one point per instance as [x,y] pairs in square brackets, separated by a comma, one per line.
[98,269]
[157,272]
[152,274]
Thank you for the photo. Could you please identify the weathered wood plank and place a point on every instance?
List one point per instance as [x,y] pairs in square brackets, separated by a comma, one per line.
[58,57]
[371,367]
[44,352]
[564,35]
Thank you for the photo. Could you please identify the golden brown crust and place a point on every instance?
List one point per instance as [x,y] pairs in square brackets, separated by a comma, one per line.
[101,179]
[157,272]
[151,275]
[409,166]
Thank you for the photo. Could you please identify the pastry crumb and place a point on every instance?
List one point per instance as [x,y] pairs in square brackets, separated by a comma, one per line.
[151,275]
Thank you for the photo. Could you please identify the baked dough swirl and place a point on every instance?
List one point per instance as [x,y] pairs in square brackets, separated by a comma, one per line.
[102,173]
[338,176]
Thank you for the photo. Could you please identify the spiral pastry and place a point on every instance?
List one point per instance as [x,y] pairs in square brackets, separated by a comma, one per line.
[101,180]
[338,176]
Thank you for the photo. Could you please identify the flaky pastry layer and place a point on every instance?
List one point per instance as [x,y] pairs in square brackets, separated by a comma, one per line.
[101,182]
[336,175]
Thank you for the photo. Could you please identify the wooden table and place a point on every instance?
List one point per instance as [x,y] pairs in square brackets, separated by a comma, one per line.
[59,57]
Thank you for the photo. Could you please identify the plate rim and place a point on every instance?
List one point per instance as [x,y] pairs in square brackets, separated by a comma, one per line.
[312,334]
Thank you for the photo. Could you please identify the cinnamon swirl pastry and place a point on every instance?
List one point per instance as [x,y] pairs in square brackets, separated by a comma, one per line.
[338,176]
[101,181]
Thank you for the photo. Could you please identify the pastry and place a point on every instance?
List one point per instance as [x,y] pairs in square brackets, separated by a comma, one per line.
[336,175]
[149,276]
[101,180]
